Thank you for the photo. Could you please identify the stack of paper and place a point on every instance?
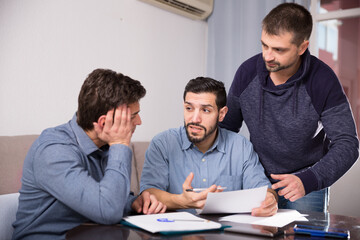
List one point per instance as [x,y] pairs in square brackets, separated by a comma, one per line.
[280,219]
[171,222]
[240,201]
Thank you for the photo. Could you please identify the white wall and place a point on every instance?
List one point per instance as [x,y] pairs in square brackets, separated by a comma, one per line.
[48,47]
[344,194]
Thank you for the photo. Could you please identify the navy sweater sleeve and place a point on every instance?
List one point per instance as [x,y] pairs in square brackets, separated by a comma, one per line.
[336,117]
[245,73]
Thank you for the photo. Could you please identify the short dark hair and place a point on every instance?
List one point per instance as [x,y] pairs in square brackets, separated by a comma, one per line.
[102,91]
[208,85]
[289,17]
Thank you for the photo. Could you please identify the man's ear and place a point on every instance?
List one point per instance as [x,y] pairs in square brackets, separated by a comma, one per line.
[222,113]
[99,125]
[303,46]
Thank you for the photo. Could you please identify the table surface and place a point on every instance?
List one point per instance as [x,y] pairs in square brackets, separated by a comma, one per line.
[121,232]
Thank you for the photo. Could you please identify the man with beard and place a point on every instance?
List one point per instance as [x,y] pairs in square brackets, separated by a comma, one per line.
[202,155]
[298,116]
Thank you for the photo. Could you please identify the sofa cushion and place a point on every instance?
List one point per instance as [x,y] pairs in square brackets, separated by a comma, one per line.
[9,204]
[13,150]
[139,149]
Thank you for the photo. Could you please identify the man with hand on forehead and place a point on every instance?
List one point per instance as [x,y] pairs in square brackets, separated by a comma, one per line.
[80,171]
[202,155]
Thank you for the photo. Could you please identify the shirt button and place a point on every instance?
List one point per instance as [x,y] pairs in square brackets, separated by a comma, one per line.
[204,180]
[203,160]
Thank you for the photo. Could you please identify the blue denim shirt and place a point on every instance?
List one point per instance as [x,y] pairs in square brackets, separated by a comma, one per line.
[231,162]
[68,180]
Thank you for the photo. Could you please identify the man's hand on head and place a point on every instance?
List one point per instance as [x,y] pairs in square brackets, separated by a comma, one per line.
[115,127]
[147,203]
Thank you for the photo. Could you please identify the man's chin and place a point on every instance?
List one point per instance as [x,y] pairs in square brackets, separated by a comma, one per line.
[196,139]
[272,69]
[195,135]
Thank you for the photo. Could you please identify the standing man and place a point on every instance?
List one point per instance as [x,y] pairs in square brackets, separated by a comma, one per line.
[80,171]
[202,155]
[299,119]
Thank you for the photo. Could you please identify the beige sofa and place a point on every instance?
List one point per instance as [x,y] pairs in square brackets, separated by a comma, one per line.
[13,150]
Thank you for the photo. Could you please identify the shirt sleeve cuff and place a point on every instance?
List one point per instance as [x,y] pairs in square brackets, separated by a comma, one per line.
[128,209]
[309,180]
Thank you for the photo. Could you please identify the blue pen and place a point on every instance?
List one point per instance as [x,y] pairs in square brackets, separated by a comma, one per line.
[164,220]
[177,220]
[321,231]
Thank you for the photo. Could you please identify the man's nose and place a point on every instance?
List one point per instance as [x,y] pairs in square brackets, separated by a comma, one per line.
[138,120]
[196,118]
[268,55]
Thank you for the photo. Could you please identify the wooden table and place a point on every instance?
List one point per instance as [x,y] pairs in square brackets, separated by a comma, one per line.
[120,232]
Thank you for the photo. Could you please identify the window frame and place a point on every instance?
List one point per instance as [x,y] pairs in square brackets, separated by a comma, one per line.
[318,17]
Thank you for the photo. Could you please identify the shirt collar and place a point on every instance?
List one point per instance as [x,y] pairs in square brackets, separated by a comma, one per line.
[85,143]
[219,143]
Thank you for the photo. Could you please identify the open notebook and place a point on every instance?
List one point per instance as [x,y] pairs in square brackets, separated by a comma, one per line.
[171,223]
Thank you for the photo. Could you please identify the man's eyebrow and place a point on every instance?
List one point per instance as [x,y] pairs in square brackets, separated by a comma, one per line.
[207,105]
[135,113]
[203,105]
[281,48]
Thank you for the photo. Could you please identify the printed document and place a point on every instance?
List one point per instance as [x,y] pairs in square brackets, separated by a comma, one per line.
[280,219]
[171,222]
[241,201]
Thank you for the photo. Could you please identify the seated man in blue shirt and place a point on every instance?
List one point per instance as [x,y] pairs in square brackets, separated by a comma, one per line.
[202,155]
[80,171]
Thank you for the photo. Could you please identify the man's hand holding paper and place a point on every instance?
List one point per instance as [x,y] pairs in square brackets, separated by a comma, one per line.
[258,201]
[268,207]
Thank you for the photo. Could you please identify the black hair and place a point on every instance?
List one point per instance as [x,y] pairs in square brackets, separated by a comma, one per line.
[208,85]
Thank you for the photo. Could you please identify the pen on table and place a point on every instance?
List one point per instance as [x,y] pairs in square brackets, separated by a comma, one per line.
[202,189]
[179,220]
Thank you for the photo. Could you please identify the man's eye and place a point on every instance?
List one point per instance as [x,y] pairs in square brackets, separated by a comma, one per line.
[206,110]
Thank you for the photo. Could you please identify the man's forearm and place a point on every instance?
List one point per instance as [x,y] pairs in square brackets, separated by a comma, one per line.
[172,201]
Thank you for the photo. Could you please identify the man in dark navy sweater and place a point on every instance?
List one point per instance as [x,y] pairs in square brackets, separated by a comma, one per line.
[299,119]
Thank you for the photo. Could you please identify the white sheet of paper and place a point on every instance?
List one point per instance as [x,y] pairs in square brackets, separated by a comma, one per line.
[193,223]
[280,219]
[240,201]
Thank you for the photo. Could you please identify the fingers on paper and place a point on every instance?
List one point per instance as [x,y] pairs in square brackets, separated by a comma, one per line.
[268,207]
